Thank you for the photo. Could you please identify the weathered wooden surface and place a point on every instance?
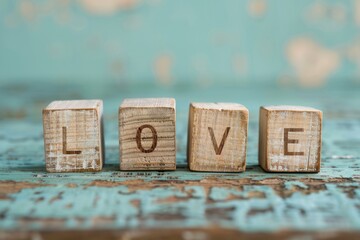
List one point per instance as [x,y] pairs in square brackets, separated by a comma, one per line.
[253,203]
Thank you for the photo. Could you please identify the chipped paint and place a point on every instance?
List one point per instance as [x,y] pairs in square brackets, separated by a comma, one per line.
[10,186]
[325,11]
[160,203]
[257,8]
[357,12]
[34,200]
[312,62]
[162,68]
[27,10]
[107,7]
[240,65]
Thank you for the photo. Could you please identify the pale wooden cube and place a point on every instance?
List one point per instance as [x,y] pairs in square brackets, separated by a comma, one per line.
[290,139]
[73,136]
[217,137]
[147,134]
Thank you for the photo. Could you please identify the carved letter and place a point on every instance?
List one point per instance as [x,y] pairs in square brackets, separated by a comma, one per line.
[218,149]
[294,141]
[154,138]
[64,137]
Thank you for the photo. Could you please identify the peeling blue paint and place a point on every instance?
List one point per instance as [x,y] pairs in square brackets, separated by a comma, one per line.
[251,201]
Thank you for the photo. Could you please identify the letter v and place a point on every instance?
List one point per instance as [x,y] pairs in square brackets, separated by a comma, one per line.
[218,149]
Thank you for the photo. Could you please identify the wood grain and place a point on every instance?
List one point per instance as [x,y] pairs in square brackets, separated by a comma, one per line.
[147,134]
[73,136]
[290,139]
[217,137]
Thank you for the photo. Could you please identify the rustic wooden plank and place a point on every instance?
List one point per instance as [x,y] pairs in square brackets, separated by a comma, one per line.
[177,234]
[221,202]
[312,204]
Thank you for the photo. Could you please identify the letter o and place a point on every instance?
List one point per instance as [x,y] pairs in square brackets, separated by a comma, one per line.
[154,138]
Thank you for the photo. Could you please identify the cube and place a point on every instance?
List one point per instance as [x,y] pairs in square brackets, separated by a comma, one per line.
[290,139]
[73,136]
[217,137]
[147,134]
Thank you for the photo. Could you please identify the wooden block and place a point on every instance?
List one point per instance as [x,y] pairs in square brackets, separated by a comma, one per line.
[290,139]
[217,137]
[73,136]
[147,134]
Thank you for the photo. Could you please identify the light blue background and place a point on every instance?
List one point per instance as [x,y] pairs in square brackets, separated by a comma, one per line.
[171,42]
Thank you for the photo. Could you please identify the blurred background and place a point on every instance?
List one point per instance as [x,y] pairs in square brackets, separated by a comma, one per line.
[253,52]
[292,43]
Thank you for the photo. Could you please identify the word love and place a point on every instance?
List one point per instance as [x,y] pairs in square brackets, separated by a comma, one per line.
[289,136]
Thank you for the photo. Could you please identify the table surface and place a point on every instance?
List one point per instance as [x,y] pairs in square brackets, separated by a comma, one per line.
[180,204]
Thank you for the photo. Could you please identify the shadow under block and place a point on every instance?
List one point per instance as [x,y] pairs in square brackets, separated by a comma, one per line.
[147,134]
[290,139]
[217,137]
[73,136]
